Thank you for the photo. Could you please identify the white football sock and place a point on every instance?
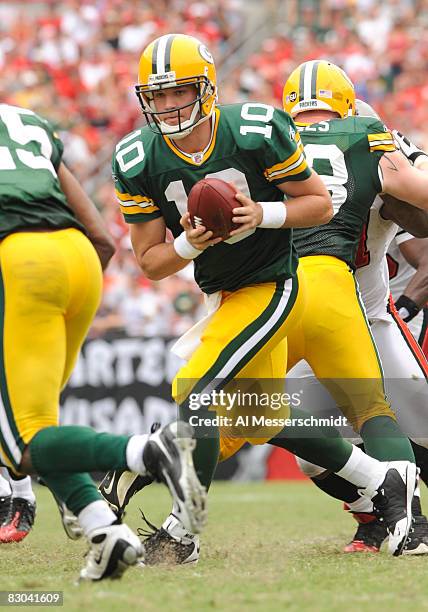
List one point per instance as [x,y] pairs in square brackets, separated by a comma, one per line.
[22,488]
[5,489]
[96,514]
[362,504]
[134,453]
[363,471]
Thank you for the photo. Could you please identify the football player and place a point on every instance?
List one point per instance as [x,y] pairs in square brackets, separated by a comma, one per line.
[53,245]
[408,279]
[257,296]
[404,365]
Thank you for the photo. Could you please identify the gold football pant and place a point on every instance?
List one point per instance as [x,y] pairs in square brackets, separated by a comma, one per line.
[244,349]
[333,336]
[50,288]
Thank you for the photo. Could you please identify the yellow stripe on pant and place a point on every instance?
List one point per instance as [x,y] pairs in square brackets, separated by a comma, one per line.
[50,288]
[245,339]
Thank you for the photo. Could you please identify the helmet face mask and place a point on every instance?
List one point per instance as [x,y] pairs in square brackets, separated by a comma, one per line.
[154,117]
[174,61]
[319,85]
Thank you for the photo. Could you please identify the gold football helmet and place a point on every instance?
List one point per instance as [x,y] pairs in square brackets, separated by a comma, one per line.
[319,85]
[171,61]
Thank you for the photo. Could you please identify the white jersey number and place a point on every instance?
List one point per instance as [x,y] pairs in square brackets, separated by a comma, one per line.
[23,134]
[176,193]
[335,182]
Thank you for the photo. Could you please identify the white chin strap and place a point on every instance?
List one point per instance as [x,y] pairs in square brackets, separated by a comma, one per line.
[175,132]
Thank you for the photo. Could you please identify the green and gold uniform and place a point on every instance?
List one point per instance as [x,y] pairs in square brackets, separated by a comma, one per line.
[334,335]
[50,281]
[256,147]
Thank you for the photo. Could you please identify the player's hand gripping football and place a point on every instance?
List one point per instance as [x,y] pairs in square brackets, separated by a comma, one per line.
[199,237]
[249,215]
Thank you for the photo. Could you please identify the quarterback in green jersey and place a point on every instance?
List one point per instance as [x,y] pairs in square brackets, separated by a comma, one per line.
[250,279]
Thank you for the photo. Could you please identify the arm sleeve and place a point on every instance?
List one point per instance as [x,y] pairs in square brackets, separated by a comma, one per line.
[134,204]
[283,155]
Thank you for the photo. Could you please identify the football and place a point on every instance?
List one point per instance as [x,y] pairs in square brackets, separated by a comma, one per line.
[210,203]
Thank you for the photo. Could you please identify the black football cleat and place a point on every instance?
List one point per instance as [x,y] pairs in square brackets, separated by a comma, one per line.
[417,542]
[19,521]
[117,488]
[369,536]
[393,502]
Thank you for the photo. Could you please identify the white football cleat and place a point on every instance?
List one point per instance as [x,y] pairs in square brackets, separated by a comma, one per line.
[168,457]
[112,550]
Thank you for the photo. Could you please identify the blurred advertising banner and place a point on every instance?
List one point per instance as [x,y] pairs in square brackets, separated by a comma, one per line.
[122,385]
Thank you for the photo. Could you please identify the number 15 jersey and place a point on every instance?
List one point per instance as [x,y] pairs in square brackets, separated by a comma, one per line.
[254,146]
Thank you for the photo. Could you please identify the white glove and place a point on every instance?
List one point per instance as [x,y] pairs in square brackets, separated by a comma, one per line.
[409,150]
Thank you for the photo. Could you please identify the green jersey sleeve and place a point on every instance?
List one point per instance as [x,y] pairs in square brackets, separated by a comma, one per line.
[283,155]
[135,205]
[380,141]
[57,144]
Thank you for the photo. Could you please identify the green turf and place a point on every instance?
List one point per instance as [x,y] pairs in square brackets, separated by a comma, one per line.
[267,547]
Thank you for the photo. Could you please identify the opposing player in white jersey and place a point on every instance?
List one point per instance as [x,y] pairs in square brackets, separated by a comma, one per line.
[408,280]
[405,368]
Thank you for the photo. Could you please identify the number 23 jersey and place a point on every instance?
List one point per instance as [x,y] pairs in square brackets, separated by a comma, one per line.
[254,146]
[346,154]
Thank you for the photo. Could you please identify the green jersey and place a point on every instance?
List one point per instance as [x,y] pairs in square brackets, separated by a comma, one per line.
[346,154]
[30,193]
[254,146]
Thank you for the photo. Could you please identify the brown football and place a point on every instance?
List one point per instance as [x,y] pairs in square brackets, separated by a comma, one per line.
[210,203]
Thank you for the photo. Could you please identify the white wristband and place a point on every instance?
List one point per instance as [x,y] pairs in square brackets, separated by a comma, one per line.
[184,249]
[274,215]
[420,160]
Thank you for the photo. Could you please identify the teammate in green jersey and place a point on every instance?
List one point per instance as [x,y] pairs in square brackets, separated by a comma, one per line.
[50,288]
[251,277]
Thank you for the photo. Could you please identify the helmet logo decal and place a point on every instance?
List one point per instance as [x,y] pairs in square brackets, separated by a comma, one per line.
[292,97]
[205,54]
[166,77]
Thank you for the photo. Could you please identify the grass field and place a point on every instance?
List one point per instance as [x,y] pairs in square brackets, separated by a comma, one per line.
[267,547]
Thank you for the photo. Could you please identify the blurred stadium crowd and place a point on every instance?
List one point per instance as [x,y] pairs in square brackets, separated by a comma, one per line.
[75,62]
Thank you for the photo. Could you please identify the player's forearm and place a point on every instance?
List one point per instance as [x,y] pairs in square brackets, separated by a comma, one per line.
[417,289]
[160,261]
[308,211]
[88,215]
[412,219]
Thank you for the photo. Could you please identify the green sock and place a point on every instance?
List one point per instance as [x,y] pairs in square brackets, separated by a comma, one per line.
[74,449]
[75,490]
[205,457]
[206,453]
[384,440]
[323,446]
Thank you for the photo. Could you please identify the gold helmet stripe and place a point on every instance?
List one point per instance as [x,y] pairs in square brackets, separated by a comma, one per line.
[161,58]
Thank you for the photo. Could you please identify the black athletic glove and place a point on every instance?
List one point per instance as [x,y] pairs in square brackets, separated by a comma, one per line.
[407,309]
